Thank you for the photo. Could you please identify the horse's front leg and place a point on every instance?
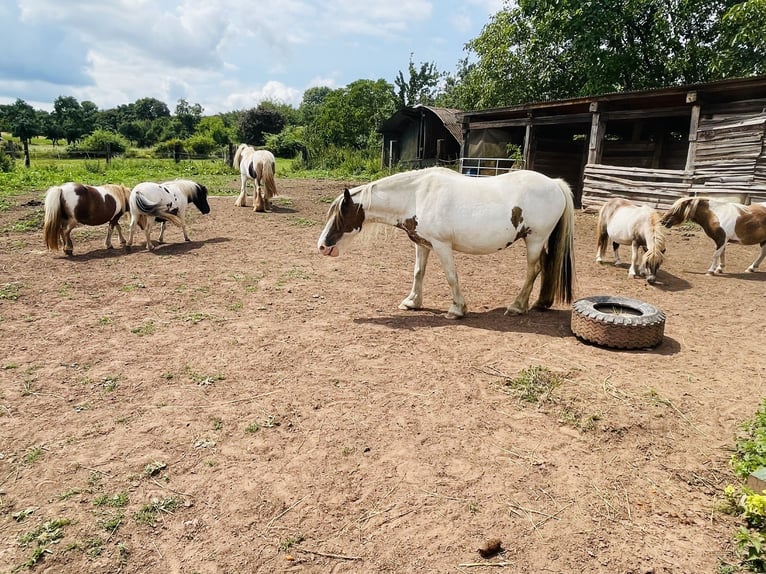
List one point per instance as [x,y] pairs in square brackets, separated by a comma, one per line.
[161,238]
[242,199]
[108,239]
[719,261]
[447,259]
[415,299]
[616,250]
[754,265]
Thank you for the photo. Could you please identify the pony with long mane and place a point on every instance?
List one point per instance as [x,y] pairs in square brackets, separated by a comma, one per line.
[723,222]
[639,226]
[258,166]
[443,211]
[163,202]
[72,204]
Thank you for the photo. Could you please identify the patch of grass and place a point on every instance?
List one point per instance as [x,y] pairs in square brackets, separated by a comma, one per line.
[195,318]
[303,222]
[106,321]
[29,222]
[147,328]
[291,541]
[33,455]
[10,291]
[534,384]
[217,423]
[50,532]
[204,380]
[252,428]
[109,382]
[111,521]
[66,495]
[118,500]
[149,512]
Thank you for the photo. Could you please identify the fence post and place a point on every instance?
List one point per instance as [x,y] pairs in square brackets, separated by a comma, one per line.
[108,153]
[177,152]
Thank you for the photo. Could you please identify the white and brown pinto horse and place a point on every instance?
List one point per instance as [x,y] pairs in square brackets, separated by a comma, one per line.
[73,204]
[258,166]
[626,223]
[444,211]
[723,222]
[163,202]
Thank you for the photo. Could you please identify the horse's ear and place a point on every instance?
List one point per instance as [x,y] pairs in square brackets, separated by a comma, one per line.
[346,194]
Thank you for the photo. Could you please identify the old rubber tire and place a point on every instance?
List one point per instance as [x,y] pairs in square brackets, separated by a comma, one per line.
[617,322]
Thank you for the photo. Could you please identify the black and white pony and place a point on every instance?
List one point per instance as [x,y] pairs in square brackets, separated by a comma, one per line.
[164,202]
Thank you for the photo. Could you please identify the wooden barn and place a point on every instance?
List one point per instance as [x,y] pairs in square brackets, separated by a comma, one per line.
[421,136]
[651,146]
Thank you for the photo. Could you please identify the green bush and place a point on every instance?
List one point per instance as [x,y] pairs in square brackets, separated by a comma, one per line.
[103,141]
[201,144]
[6,162]
[169,147]
[289,142]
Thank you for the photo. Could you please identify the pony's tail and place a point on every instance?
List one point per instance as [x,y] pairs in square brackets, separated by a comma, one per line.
[268,179]
[53,219]
[558,272]
[140,206]
[656,254]
[601,233]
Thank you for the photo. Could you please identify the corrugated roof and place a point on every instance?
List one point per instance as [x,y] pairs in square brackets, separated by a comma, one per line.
[451,118]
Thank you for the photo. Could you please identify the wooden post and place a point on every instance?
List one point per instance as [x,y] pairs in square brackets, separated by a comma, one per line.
[527,156]
[597,130]
[691,97]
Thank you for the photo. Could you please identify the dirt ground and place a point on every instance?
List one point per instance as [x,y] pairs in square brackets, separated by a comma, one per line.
[240,403]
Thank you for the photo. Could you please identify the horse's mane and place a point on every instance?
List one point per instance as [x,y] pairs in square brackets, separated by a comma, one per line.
[240,153]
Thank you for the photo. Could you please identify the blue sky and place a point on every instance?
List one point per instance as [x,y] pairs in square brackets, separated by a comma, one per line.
[223,54]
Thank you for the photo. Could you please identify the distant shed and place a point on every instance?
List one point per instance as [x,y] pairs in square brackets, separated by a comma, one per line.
[651,146]
[421,136]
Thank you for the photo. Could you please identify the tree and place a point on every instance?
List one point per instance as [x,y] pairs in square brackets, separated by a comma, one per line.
[69,116]
[350,116]
[215,128]
[189,116]
[543,50]
[420,87]
[148,109]
[742,43]
[24,124]
[313,98]
[255,123]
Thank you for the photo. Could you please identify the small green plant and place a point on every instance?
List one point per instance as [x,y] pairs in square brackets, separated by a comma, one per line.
[252,428]
[118,500]
[33,455]
[48,533]
[10,291]
[288,543]
[111,521]
[534,384]
[303,222]
[106,321]
[749,456]
[109,383]
[217,424]
[147,328]
[149,512]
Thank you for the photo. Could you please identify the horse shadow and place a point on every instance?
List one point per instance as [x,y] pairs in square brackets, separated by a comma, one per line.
[159,249]
[746,275]
[275,208]
[550,322]
[668,282]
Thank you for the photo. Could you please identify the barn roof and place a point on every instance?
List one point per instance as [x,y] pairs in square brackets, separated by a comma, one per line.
[710,94]
[451,119]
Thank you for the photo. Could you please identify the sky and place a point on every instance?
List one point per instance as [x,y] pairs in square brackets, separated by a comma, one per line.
[225,55]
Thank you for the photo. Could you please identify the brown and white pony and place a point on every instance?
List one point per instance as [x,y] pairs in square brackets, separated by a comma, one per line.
[723,222]
[627,223]
[258,166]
[163,202]
[72,204]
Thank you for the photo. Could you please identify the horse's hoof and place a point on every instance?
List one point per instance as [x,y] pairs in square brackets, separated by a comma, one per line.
[408,305]
[513,311]
[68,252]
[452,316]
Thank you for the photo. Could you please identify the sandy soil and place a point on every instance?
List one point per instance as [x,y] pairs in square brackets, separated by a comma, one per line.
[240,403]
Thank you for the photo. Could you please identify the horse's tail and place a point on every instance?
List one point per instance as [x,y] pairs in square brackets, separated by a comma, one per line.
[656,253]
[558,272]
[238,155]
[142,206]
[601,232]
[268,168]
[53,219]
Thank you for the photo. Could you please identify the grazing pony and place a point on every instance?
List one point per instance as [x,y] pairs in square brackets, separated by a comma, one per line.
[723,222]
[164,202]
[443,211]
[259,166]
[73,204]
[627,223]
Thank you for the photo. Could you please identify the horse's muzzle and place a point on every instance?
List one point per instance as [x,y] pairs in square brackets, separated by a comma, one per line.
[330,250]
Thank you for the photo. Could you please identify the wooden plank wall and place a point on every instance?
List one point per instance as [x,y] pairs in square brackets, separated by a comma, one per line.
[729,162]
